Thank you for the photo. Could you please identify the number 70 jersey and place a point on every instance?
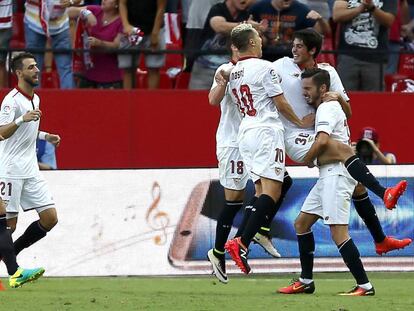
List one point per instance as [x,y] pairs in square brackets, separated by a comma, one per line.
[253,83]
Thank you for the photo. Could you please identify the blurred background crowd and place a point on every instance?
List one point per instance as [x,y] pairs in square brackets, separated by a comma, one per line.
[180,43]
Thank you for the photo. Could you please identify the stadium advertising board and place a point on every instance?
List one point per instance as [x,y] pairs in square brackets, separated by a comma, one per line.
[162,222]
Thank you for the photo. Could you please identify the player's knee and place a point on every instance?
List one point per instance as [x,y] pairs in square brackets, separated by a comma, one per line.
[359,190]
[48,220]
[300,226]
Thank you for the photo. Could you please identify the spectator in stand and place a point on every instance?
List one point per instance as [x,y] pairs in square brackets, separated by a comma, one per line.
[197,16]
[221,19]
[363,43]
[368,148]
[320,6]
[6,11]
[105,30]
[283,18]
[148,15]
[46,156]
[395,43]
[50,19]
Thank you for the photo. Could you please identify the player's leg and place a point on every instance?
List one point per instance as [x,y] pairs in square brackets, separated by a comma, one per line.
[263,236]
[351,257]
[35,193]
[263,151]
[311,211]
[337,151]
[233,177]
[6,242]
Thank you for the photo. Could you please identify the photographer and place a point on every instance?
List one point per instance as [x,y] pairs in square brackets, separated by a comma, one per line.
[368,148]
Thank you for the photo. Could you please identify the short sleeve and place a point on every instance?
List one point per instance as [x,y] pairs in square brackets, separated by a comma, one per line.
[336,84]
[7,111]
[271,82]
[326,118]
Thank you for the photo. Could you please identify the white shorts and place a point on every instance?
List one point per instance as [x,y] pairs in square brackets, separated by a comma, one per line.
[298,145]
[232,171]
[263,152]
[330,199]
[31,193]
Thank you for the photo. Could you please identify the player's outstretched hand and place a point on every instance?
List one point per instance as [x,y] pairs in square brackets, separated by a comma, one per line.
[53,139]
[33,115]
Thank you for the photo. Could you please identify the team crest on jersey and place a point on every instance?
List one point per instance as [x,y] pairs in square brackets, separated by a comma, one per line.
[236,180]
[326,218]
[278,170]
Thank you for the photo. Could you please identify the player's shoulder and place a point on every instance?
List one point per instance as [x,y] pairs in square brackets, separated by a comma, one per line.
[328,67]
[283,61]
[332,106]
[11,95]
[225,67]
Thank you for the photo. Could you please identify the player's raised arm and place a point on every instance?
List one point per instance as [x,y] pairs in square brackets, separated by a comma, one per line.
[9,124]
[218,89]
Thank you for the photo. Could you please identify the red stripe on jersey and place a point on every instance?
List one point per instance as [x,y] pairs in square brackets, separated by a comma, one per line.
[6,19]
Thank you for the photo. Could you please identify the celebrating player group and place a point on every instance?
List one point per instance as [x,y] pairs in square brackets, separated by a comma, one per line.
[299,108]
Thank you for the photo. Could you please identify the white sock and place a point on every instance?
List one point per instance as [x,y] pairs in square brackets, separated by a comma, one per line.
[307,281]
[365,286]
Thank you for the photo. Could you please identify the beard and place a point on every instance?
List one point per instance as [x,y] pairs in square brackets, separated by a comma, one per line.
[31,81]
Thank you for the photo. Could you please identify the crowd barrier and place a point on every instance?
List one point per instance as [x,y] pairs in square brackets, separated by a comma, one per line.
[157,129]
[162,222]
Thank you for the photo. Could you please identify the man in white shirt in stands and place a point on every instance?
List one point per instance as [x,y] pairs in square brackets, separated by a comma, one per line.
[330,198]
[19,171]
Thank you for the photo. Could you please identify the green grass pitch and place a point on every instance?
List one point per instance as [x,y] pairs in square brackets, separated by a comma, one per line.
[394,291]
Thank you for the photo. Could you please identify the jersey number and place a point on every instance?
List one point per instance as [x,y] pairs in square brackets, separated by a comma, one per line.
[237,167]
[245,100]
[302,139]
[280,156]
[3,188]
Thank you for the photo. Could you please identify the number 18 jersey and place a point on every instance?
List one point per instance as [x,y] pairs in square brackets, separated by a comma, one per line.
[253,82]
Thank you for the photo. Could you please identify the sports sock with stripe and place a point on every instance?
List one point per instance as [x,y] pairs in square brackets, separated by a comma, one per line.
[351,257]
[260,211]
[33,233]
[224,224]
[246,216]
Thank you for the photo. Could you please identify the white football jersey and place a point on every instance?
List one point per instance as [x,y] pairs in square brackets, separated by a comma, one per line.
[331,119]
[230,117]
[18,152]
[290,80]
[253,82]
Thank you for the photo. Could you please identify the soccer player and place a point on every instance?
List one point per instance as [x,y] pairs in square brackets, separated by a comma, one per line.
[17,276]
[330,198]
[254,86]
[232,172]
[19,171]
[306,47]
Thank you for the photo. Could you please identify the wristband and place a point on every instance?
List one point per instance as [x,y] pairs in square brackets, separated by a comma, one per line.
[19,121]
[42,135]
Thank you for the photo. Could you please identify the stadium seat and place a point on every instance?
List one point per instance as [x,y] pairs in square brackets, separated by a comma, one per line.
[183,80]
[392,79]
[406,65]
[327,57]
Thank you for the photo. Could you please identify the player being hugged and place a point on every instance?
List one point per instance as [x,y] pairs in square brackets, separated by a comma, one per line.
[254,86]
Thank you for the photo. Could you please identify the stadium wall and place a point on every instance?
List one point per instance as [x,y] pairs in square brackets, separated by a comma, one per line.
[147,129]
[162,222]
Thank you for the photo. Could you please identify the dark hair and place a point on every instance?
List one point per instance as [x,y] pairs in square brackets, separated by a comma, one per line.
[240,36]
[311,39]
[319,76]
[16,62]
